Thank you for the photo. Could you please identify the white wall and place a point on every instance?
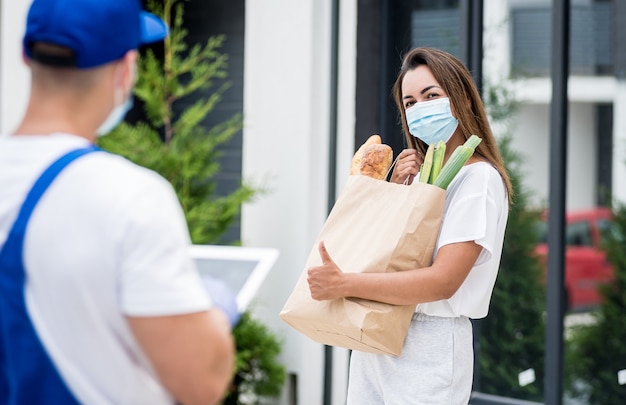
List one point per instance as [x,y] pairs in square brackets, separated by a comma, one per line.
[286,136]
[619,143]
[14,77]
[345,150]
[531,139]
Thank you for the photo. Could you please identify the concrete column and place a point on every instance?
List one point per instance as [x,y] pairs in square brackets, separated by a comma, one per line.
[285,150]
[496,63]
[14,76]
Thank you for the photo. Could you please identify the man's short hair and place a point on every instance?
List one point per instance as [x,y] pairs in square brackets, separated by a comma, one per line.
[53,55]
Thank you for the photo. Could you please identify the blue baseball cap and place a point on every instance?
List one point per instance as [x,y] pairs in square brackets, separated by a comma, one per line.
[95,31]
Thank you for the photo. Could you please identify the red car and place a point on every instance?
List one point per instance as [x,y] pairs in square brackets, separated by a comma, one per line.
[586,266]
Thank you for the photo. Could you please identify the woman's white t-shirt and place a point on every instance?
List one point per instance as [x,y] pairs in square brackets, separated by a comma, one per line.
[476,209]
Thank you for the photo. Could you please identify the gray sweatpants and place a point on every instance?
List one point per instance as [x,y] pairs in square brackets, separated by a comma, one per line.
[435,367]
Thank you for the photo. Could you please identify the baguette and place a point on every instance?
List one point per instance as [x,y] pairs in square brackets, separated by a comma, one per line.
[376,161]
[355,167]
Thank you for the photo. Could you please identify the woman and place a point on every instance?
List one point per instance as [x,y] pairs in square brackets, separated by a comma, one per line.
[437,100]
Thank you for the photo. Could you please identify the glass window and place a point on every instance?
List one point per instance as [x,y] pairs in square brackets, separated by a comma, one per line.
[578,234]
[590,38]
[608,230]
[436,24]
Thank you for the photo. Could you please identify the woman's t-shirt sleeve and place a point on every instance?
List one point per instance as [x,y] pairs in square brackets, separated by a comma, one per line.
[472,212]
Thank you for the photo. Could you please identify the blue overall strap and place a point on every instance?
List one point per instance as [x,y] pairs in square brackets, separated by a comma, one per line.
[27,374]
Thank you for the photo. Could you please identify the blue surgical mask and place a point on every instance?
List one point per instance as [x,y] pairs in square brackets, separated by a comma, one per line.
[119,112]
[116,116]
[431,121]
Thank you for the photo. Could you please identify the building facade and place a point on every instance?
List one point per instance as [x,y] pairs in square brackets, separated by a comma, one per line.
[310,94]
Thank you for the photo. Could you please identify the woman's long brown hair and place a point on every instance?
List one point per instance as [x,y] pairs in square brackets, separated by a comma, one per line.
[459,85]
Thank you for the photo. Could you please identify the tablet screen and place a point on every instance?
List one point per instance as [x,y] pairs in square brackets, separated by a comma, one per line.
[243,269]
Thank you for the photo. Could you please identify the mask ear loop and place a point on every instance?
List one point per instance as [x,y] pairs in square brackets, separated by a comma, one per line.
[406,181]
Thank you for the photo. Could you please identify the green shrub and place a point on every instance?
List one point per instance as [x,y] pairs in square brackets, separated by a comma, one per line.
[177,145]
[596,352]
[259,376]
[511,337]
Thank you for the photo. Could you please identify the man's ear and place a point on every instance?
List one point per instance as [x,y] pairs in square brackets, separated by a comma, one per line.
[131,61]
[127,75]
[25,58]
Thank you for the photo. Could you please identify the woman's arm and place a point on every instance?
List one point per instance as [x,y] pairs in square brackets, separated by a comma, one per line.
[439,281]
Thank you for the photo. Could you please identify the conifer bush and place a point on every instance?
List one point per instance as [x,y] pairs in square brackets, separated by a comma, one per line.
[177,145]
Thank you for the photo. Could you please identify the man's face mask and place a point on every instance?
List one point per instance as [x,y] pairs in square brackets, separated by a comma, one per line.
[119,112]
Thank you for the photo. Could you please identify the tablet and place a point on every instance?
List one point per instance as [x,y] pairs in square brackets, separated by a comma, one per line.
[243,269]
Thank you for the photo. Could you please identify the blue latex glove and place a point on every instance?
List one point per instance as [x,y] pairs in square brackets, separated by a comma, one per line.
[223,298]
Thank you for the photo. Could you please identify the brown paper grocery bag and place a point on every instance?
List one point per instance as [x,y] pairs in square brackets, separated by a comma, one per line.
[374,226]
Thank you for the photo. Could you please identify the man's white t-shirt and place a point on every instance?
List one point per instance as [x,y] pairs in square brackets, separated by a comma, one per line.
[476,209]
[107,239]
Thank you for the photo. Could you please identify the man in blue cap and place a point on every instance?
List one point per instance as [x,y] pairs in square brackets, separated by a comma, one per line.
[100,302]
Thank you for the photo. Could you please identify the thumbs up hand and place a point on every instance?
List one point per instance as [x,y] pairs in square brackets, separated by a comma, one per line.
[326,282]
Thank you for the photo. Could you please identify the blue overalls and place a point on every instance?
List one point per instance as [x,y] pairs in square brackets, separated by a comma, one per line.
[27,375]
